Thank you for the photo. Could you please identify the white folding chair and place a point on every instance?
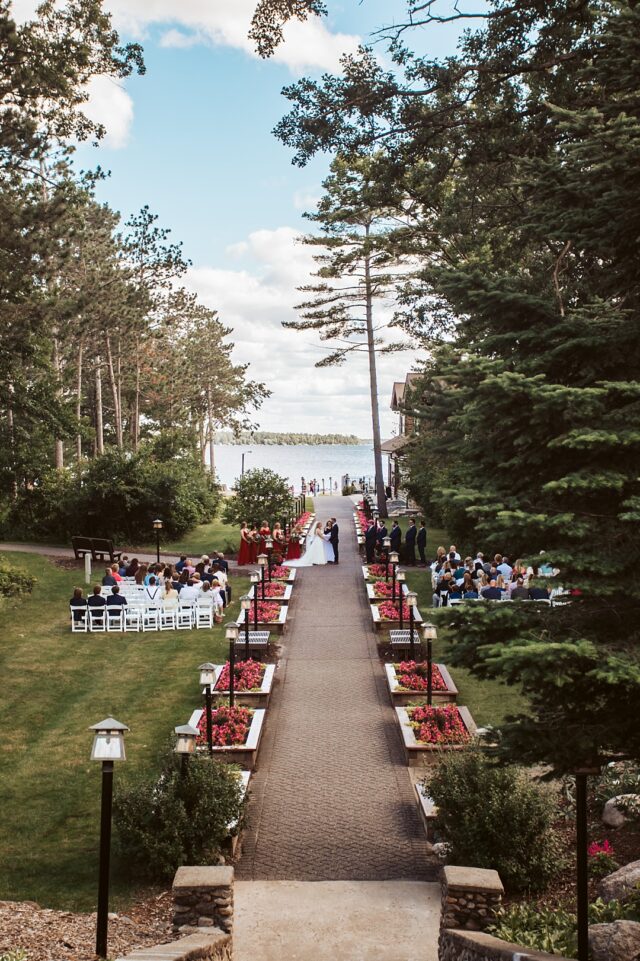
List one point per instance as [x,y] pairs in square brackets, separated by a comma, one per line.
[204,612]
[184,620]
[151,617]
[168,617]
[133,616]
[97,619]
[115,617]
[79,626]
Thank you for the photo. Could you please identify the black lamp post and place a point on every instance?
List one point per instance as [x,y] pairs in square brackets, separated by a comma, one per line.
[429,633]
[157,526]
[394,558]
[207,679]
[108,747]
[386,544]
[231,633]
[412,600]
[262,561]
[269,548]
[185,744]
[245,606]
[255,580]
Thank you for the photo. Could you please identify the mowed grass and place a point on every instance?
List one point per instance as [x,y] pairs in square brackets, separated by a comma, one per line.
[55,685]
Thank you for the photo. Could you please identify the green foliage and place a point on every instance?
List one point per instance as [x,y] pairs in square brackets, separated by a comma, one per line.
[17,955]
[619,777]
[119,495]
[260,494]
[268,437]
[495,817]
[180,817]
[602,864]
[554,929]
[14,580]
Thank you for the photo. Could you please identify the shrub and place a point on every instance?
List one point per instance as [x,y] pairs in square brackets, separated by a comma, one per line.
[619,777]
[495,817]
[14,580]
[181,817]
[259,495]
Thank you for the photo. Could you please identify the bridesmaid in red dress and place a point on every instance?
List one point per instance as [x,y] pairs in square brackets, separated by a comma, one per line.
[264,532]
[254,540]
[293,550]
[244,554]
[279,540]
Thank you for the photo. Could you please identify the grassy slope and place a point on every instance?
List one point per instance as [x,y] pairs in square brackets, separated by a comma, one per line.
[56,684]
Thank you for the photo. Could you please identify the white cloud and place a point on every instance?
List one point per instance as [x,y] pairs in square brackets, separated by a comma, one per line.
[176,38]
[110,104]
[254,299]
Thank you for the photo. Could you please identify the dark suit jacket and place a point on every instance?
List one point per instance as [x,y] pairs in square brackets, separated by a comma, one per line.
[422,537]
[396,538]
[410,536]
[114,599]
[382,533]
[335,534]
[371,534]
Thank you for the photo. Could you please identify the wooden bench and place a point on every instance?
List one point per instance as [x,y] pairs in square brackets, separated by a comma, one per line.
[99,547]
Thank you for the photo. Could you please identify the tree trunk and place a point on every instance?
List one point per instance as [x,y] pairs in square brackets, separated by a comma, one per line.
[114,393]
[135,426]
[12,445]
[99,422]
[210,416]
[79,400]
[373,386]
[59,445]
[203,445]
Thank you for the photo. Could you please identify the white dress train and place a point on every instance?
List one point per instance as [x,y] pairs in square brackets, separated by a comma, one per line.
[314,552]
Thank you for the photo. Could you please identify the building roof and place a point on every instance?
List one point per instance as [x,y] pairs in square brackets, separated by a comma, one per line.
[395,444]
[399,388]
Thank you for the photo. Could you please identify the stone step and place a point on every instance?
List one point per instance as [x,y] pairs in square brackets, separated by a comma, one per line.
[336,920]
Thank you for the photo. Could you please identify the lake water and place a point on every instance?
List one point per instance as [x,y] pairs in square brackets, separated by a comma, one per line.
[296,461]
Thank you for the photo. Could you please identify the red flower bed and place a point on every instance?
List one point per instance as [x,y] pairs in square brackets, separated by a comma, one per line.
[229,725]
[412,676]
[389,611]
[247,676]
[363,520]
[280,572]
[268,611]
[302,520]
[384,589]
[377,570]
[438,725]
[271,589]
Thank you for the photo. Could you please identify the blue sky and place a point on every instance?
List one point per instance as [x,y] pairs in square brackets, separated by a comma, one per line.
[192,139]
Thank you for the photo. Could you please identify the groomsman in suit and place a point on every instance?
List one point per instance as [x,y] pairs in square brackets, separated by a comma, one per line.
[395,536]
[334,538]
[382,533]
[421,541]
[410,542]
[370,538]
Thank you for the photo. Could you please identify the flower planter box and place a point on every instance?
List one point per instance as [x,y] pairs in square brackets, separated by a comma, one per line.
[231,843]
[256,698]
[375,599]
[381,624]
[277,626]
[286,597]
[400,697]
[418,753]
[288,578]
[243,754]
[427,811]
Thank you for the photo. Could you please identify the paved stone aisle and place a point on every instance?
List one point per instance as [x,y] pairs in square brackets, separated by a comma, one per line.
[332,798]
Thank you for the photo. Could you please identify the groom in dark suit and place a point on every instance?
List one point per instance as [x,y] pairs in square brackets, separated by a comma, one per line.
[334,538]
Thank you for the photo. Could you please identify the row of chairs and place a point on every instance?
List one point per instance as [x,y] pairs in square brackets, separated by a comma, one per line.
[141,617]
[451,602]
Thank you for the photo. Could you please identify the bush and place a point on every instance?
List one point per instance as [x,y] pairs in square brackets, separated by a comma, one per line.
[553,929]
[14,580]
[495,817]
[118,495]
[182,817]
[259,495]
[618,777]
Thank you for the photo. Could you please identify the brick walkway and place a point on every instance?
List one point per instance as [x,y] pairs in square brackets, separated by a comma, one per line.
[332,798]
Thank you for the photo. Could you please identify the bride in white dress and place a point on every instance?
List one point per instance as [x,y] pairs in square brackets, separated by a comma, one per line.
[318,550]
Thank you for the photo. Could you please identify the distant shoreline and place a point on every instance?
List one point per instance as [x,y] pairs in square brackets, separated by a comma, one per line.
[268,439]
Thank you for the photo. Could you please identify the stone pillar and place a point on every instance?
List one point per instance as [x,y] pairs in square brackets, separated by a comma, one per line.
[203,898]
[470,897]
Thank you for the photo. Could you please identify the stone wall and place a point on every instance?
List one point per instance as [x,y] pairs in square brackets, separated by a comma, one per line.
[205,945]
[480,946]
[470,897]
[203,898]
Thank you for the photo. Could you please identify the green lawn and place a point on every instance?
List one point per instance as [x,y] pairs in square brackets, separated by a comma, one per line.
[56,684]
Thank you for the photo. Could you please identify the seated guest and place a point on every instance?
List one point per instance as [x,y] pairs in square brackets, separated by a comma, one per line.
[492,592]
[212,590]
[204,575]
[115,572]
[220,561]
[132,568]
[470,596]
[116,597]
[468,583]
[455,594]
[78,603]
[441,593]
[141,573]
[152,572]
[504,568]
[538,594]
[170,595]
[519,592]
[223,580]
[453,550]
[190,591]
[122,568]
[108,580]
[96,599]
[180,566]
[152,591]
[459,572]
[479,561]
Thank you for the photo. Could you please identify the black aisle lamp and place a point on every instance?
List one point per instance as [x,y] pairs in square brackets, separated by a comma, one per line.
[400,581]
[108,746]
[582,869]
[262,561]
[245,606]
[208,679]
[429,633]
[394,559]
[254,577]
[269,548]
[386,545]
[157,526]
[231,633]
[185,744]
[412,600]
